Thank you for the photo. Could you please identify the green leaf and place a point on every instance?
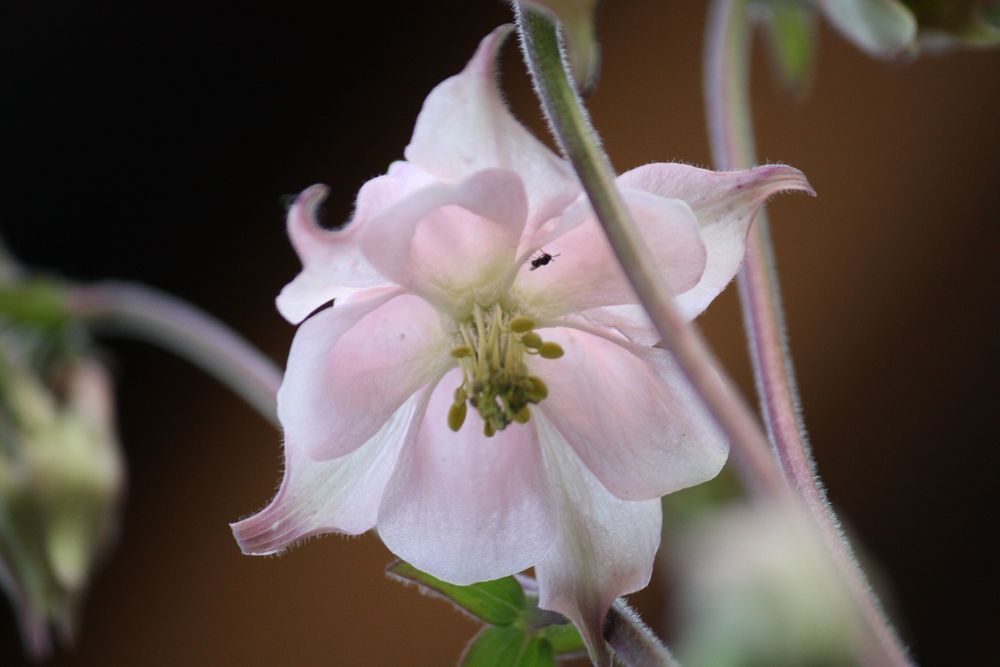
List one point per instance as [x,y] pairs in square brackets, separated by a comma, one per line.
[497,602]
[563,639]
[508,647]
[791,40]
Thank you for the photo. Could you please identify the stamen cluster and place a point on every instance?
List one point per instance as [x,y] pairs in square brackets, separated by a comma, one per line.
[495,379]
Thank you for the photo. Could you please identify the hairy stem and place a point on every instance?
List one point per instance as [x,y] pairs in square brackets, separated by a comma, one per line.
[634,643]
[727,60]
[578,141]
[168,322]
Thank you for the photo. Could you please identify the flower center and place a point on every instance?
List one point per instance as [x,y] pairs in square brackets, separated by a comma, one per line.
[490,348]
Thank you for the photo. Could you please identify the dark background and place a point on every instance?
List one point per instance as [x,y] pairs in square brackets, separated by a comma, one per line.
[155,142]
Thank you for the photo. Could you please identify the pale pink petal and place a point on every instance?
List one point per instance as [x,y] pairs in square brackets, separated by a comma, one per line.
[629,320]
[340,495]
[447,239]
[631,419]
[725,203]
[465,127]
[585,274]
[352,366]
[332,264]
[465,507]
[604,548]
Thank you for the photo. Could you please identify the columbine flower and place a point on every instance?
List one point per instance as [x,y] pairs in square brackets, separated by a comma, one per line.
[487,417]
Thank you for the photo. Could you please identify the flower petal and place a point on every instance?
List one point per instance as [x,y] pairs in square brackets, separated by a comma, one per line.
[445,240]
[340,495]
[632,420]
[465,127]
[725,203]
[604,548]
[332,264]
[353,365]
[585,274]
[464,507]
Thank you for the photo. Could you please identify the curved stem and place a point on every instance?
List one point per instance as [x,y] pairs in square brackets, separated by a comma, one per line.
[168,322]
[578,141]
[634,643]
[727,62]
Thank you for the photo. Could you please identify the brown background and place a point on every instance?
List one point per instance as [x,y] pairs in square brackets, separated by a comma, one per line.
[155,142]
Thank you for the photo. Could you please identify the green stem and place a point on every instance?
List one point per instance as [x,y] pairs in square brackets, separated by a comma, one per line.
[727,60]
[578,141]
[177,326]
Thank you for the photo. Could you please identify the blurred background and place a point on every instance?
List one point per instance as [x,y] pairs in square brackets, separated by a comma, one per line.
[158,142]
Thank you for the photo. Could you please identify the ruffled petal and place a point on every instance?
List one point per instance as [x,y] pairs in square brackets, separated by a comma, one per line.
[725,203]
[604,547]
[447,240]
[465,127]
[584,272]
[353,365]
[632,420]
[332,264]
[464,507]
[340,495]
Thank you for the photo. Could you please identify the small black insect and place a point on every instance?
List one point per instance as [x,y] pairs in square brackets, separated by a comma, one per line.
[541,260]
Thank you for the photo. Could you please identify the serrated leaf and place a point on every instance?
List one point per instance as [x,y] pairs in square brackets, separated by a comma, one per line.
[791,40]
[508,647]
[563,639]
[497,602]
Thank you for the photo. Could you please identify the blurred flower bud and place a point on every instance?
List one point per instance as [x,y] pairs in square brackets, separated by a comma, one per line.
[61,478]
[758,589]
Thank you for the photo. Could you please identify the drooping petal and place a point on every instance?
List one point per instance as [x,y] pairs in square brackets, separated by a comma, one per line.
[604,548]
[632,420]
[339,495]
[464,507]
[725,204]
[446,240]
[352,366]
[332,264]
[585,274]
[465,127]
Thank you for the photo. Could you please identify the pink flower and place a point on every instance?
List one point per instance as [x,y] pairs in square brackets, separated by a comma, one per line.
[486,417]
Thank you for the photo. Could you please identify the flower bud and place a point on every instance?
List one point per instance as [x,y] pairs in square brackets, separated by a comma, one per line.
[61,478]
[759,588]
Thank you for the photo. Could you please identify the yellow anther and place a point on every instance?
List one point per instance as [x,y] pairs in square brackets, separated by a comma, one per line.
[460,395]
[531,340]
[461,351]
[521,324]
[538,391]
[488,430]
[456,416]
[551,350]
[523,415]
